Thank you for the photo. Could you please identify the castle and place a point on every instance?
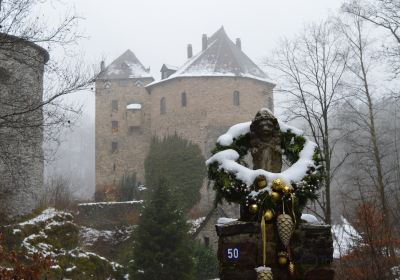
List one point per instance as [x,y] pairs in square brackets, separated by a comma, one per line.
[216,88]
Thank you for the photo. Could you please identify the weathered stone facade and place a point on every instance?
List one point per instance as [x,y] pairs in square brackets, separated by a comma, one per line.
[132,134]
[21,134]
[197,107]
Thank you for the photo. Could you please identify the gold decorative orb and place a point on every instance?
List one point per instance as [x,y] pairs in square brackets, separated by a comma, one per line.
[268,215]
[277,184]
[275,196]
[261,182]
[286,189]
[253,209]
[282,258]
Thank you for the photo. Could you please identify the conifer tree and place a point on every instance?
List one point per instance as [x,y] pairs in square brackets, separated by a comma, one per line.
[162,244]
[181,164]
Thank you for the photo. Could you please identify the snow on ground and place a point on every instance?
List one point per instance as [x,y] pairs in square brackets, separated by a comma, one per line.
[344,238]
[90,235]
[46,215]
[195,224]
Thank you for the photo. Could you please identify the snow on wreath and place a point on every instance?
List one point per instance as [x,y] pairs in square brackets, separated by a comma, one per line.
[235,182]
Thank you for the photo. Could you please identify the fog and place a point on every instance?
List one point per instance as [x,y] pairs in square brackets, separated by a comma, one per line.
[158,32]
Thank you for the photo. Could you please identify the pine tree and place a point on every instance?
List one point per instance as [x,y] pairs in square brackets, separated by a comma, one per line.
[181,164]
[162,244]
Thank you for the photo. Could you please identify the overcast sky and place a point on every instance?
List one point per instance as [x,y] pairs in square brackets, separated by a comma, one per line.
[158,31]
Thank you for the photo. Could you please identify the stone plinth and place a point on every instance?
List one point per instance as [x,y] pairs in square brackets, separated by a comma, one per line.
[240,251]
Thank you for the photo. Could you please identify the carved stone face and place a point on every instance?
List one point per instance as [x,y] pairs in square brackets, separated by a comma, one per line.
[265,125]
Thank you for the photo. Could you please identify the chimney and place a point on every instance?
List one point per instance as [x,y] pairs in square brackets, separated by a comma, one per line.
[238,43]
[102,65]
[204,42]
[189,51]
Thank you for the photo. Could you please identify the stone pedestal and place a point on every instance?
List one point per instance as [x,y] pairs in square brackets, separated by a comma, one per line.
[240,251]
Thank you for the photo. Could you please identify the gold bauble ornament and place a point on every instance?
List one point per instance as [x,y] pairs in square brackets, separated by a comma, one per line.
[285,228]
[277,184]
[282,258]
[253,209]
[286,189]
[261,182]
[264,273]
[268,215]
[291,269]
[275,196]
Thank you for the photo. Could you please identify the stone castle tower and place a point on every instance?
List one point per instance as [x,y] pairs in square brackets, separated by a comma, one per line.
[213,90]
[21,127]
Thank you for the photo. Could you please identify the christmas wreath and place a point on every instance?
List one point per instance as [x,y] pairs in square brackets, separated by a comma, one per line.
[235,182]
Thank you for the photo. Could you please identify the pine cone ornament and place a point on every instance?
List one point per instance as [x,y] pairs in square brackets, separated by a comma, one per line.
[291,269]
[264,273]
[285,228]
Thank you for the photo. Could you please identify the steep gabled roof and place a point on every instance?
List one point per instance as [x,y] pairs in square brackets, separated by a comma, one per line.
[221,58]
[127,66]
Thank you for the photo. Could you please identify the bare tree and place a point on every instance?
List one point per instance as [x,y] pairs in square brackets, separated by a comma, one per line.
[386,15]
[366,140]
[310,71]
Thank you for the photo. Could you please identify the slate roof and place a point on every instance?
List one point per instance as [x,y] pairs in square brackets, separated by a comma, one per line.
[221,58]
[127,66]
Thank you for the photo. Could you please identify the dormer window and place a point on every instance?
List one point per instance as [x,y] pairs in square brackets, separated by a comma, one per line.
[139,84]
[107,84]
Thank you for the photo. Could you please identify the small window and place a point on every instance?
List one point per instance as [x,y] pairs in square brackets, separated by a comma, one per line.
[206,241]
[114,166]
[114,105]
[114,146]
[114,126]
[183,99]
[163,106]
[236,98]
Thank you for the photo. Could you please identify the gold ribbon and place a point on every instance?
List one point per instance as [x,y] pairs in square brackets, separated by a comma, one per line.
[264,239]
[294,216]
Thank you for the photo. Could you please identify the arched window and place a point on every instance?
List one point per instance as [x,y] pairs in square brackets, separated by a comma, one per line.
[163,106]
[183,99]
[236,98]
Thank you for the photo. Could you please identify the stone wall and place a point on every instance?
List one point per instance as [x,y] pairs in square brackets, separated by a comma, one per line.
[21,159]
[107,215]
[312,251]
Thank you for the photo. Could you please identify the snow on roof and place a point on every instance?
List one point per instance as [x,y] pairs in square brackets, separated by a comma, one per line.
[127,66]
[134,106]
[221,58]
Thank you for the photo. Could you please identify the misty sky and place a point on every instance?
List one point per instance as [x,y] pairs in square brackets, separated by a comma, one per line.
[158,31]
